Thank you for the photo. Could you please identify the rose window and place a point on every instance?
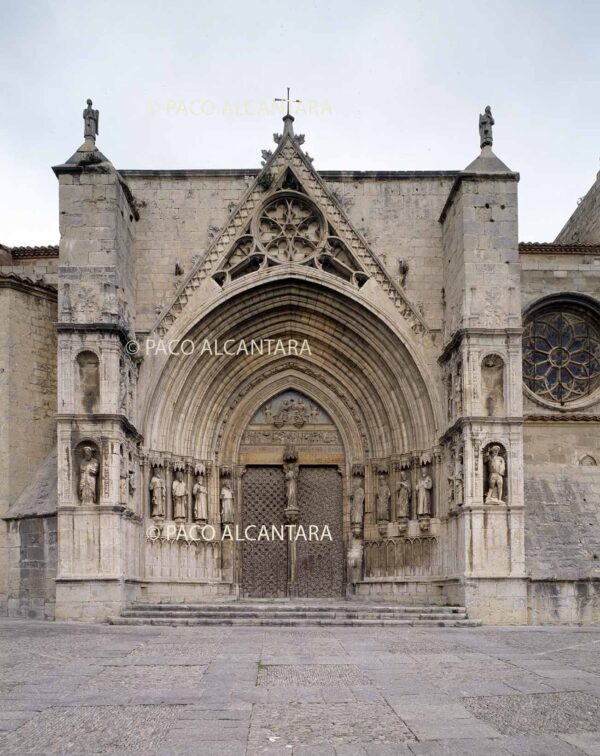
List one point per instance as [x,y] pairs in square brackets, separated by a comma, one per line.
[561,356]
[290,229]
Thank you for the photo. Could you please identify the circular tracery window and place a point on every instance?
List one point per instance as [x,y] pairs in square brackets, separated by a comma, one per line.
[561,356]
[290,228]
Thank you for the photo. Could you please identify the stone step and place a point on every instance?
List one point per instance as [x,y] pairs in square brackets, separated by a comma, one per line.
[284,607]
[347,614]
[291,622]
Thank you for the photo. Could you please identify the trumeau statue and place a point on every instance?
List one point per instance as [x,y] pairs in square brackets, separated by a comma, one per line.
[383,500]
[486,121]
[91,118]
[227,513]
[496,472]
[157,495]
[404,492]
[200,493]
[88,475]
[180,497]
[424,486]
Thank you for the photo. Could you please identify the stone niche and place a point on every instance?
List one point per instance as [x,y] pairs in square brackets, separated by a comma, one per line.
[492,383]
[88,380]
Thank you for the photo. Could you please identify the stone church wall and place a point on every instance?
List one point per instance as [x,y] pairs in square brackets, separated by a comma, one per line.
[27,410]
[32,555]
[183,211]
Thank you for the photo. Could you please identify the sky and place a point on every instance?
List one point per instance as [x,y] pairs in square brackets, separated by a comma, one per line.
[388,85]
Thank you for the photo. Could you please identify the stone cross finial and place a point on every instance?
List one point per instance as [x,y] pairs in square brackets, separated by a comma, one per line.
[91,119]
[486,121]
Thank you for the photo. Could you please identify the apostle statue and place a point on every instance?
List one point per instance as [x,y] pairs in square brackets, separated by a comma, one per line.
[404,493]
[227,512]
[357,508]
[383,500]
[157,495]
[200,494]
[486,121]
[180,496]
[496,471]
[424,486]
[88,475]
[91,118]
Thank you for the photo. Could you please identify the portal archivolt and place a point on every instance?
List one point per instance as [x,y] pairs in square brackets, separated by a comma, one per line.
[357,365]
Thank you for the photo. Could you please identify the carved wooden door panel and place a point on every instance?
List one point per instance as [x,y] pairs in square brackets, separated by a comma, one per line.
[264,563]
[320,563]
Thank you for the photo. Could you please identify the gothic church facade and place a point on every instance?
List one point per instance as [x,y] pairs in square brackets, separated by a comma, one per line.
[370,355]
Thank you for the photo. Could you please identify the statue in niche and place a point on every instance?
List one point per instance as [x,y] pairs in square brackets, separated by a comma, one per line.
[424,487]
[357,508]
[157,495]
[123,388]
[458,405]
[180,496]
[383,500]
[450,397]
[200,494]
[227,509]
[459,480]
[496,472]
[492,377]
[91,119]
[486,121]
[88,476]
[404,493]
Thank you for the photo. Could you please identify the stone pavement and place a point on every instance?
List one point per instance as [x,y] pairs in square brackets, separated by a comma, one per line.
[97,689]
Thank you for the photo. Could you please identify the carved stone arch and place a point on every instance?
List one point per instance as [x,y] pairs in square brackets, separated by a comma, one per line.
[359,350]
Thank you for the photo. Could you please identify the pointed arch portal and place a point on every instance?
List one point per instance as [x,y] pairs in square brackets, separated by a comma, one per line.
[354,397]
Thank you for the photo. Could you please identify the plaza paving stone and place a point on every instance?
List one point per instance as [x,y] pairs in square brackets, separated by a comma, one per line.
[341,691]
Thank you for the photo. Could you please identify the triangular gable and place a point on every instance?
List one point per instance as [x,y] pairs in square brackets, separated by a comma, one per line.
[288,175]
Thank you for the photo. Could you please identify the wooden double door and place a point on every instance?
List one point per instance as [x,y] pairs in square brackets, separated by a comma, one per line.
[319,563]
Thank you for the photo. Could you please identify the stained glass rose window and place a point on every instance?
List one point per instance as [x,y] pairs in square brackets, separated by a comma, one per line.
[561,355]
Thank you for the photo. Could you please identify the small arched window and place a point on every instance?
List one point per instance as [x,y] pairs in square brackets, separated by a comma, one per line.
[561,351]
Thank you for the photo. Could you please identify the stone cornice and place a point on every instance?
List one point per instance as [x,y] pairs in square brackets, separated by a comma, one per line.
[102,417]
[573,417]
[98,327]
[462,333]
[28,286]
[550,248]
